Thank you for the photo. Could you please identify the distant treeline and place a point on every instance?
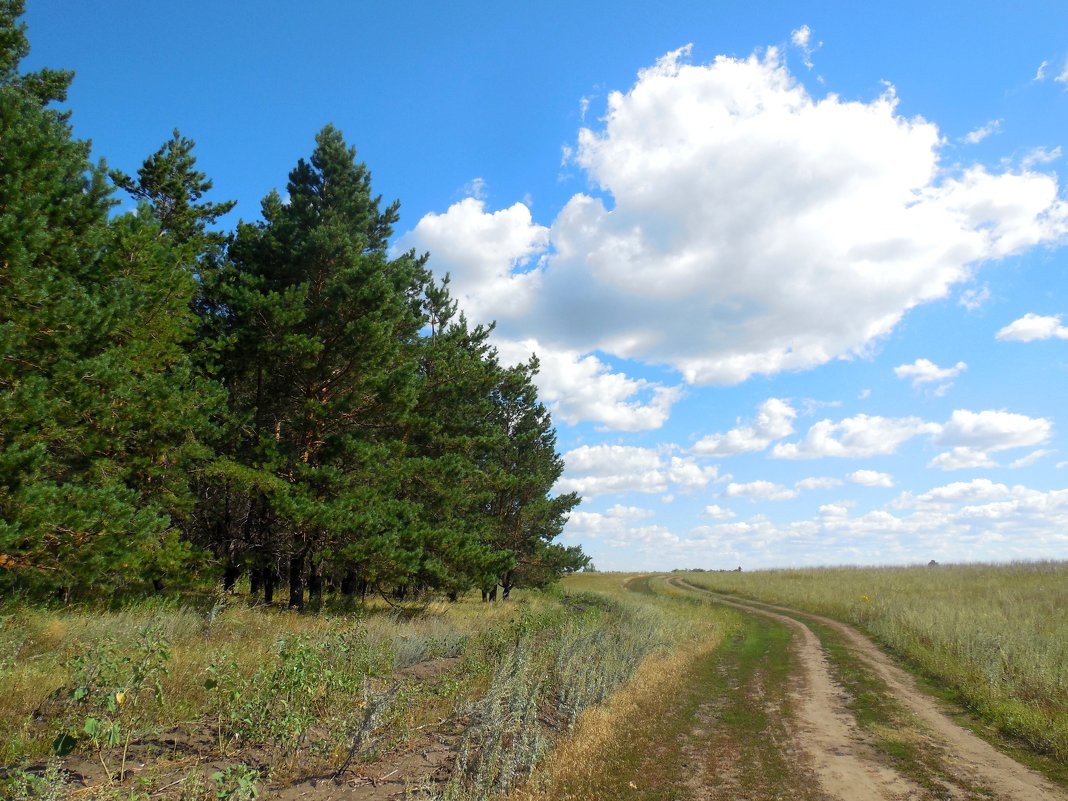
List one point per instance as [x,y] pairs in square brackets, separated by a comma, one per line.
[286,401]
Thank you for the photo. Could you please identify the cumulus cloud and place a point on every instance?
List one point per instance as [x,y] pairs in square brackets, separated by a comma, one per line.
[961,458]
[818,482]
[871,478]
[619,527]
[774,421]
[855,437]
[739,226]
[993,430]
[580,387]
[965,521]
[1033,326]
[490,256]
[924,371]
[969,435]
[972,436]
[979,489]
[765,490]
[592,470]
[717,512]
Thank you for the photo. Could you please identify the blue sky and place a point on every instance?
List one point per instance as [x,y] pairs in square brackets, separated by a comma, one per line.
[795,271]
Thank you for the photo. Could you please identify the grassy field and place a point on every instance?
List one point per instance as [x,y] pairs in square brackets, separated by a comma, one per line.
[548,696]
[996,637]
[137,701]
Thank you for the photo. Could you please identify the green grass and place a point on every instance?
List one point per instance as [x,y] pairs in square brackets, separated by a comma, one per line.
[293,696]
[704,718]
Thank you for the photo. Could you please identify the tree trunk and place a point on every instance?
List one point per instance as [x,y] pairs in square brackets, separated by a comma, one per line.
[230,576]
[506,584]
[269,579]
[315,583]
[296,580]
[255,581]
[349,583]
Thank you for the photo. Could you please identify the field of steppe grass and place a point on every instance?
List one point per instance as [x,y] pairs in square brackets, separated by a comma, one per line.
[279,696]
[996,636]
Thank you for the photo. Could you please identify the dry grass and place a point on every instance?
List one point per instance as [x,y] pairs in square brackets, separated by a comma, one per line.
[294,694]
[599,756]
[39,645]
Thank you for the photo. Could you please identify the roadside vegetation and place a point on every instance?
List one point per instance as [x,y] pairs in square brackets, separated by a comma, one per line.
[630,746]
[139,702]
[994,636]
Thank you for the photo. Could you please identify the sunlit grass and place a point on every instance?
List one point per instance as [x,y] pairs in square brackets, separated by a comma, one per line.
[995,635]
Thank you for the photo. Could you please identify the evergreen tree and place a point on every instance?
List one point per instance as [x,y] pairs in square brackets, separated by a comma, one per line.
[323,363]
[524,468]
[97,421]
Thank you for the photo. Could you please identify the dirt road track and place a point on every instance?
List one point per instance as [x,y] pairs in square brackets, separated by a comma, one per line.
[845,766]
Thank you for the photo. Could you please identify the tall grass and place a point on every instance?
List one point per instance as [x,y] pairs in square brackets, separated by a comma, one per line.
[995,635]
[600,752]
[282,695]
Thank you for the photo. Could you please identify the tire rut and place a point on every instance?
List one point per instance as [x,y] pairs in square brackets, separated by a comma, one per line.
[825,731]
[837,740]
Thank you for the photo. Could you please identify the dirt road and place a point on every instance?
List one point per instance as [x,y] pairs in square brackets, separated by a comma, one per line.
[843,757]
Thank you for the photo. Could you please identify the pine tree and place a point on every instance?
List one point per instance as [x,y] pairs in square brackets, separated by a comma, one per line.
[97,420]
[525,466]
[323,362]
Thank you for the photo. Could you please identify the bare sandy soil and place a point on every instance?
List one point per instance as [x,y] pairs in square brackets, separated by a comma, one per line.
[846,766]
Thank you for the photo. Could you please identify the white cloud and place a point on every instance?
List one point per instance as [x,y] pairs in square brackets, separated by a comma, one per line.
[1030,459]
[717,512]
[1062,76]
[1040,155]
[475,188]
[864,394]
[961,458]
[871,478]
[619,528]
[993,430]
[839,510]
[1040,73]
[961,522]
[973,298]
[855,437]
[982,132]
[970,435]
[774,421]
[593,470]
[731,193]
[802,40]
[765,490]
[485,253]
[818,482]
[924,371]
[581,387]
[1031,327]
